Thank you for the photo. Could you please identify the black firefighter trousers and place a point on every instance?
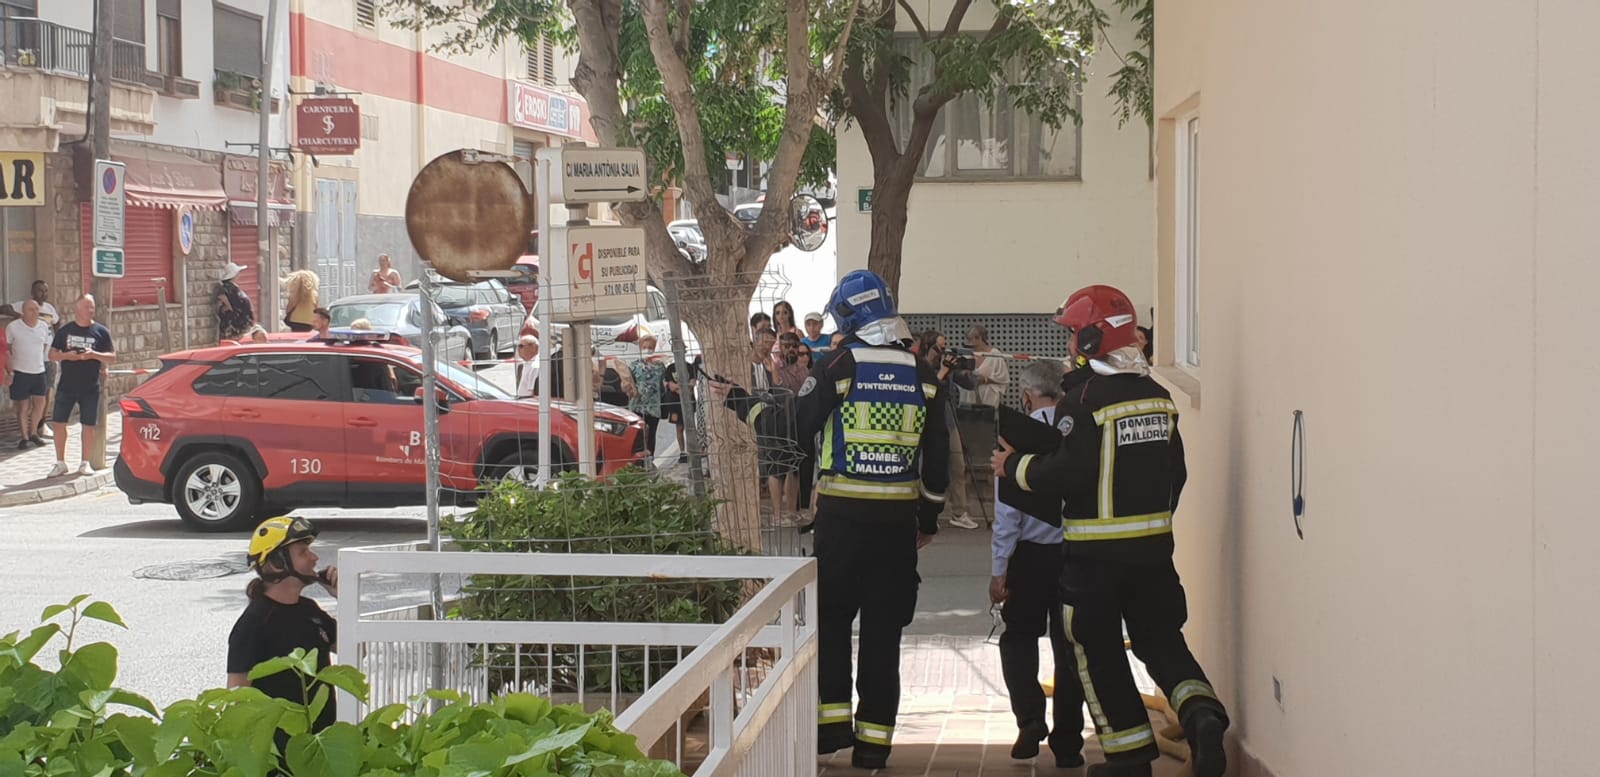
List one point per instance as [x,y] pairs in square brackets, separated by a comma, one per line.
[1033,608]
[866,553]
[1101,595]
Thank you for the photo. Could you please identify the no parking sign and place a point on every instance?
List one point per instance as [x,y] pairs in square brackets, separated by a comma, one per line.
[185,230]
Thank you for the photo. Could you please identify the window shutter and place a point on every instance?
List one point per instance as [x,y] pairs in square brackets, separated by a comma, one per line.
[148,247]
[244,250]
[367,13]
[547,53]
[237,47]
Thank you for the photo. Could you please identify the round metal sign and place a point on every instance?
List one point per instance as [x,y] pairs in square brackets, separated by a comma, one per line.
[468,212]
[185,230]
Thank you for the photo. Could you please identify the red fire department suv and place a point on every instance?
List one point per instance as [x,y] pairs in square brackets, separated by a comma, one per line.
[236,432]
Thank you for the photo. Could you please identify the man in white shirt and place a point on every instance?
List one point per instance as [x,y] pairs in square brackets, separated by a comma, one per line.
[28,345]
[528,352]
[40,293]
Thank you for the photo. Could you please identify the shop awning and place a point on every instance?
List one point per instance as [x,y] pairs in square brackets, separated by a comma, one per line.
[244,212]
[165,179]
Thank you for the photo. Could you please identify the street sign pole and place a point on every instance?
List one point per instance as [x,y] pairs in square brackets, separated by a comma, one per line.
[546,158]
[584,271]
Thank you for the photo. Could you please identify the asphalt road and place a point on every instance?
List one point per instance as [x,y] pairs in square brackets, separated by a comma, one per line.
[181,591]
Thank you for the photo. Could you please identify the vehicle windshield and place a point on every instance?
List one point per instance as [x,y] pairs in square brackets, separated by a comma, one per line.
[379,314]
[475,385]
[689,233]
[454,296]
[612,320]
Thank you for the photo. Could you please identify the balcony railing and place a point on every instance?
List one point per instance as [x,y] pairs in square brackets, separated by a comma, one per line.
[38,44]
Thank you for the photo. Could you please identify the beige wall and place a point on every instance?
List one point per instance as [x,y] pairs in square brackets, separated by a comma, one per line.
[1396,239]
[1019,247]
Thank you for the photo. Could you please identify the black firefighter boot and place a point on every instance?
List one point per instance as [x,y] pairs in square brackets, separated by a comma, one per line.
[1119,770]
[868,755]
[1029,735]
[833,737]
[1204,730]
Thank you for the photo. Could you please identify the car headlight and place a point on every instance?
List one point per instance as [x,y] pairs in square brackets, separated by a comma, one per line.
[614,428]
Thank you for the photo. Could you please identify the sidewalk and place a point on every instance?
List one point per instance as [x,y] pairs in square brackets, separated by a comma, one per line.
[23,473]
[955,718]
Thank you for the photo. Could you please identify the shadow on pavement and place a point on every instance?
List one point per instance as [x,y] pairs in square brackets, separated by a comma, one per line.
[337,531]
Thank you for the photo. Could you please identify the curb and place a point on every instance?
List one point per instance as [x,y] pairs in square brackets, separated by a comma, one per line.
[69,488]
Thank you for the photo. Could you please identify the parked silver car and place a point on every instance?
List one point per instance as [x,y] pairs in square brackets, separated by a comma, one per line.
[402,315]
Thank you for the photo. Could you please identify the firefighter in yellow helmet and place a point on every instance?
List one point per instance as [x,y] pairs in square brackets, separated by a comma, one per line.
[279,618]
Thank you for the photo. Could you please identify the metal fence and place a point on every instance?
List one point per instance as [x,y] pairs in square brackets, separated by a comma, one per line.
[735,698]
[26,42]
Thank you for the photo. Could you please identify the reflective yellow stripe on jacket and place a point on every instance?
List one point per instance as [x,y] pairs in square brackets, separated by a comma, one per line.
[855,488]
[1122,528]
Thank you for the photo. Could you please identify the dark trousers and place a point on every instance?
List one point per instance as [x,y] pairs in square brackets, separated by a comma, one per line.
[651,425]
[866,563]
[1100,597]
[1033,608]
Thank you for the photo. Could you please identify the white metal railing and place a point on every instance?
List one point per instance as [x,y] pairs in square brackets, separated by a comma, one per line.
[740,699]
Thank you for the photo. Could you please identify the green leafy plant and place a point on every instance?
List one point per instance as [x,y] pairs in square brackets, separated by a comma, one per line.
[60,723]
[631,512]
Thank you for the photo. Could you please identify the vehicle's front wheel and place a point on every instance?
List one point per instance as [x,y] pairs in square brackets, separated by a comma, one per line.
[523,465]
[217,491]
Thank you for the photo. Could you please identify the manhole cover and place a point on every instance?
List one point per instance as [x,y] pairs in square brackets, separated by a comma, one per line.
[203,569]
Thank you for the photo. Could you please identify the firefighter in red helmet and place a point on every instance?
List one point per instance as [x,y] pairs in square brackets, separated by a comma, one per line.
[1119,471]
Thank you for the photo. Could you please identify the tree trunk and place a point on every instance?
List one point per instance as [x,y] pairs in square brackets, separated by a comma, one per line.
[718,316]
[891,196]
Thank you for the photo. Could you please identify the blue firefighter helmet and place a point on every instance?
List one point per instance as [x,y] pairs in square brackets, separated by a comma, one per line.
[861,298]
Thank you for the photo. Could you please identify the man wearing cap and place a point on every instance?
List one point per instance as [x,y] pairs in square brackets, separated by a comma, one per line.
[815,339]
[235,314]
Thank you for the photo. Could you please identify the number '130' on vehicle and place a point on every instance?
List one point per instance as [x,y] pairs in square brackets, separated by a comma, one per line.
[238,432]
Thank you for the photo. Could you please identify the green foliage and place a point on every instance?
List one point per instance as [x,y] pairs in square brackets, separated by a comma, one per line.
[60,723]
[631,512]
[734,58]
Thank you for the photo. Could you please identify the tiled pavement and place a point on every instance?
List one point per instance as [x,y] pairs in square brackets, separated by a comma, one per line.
[955,718]
[23,473]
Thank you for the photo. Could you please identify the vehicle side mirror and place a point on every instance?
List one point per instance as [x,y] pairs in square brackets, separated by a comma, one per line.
[442,396]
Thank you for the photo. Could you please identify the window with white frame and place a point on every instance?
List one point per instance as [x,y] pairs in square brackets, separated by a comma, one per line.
[972,140]
[1186,265]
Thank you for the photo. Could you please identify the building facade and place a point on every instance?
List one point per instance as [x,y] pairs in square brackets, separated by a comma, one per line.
[415,102]
[1374,296]
[186,89]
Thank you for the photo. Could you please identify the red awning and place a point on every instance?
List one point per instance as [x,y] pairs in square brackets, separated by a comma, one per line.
[165,179]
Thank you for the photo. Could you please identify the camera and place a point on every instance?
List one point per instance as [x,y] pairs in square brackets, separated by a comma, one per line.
[958,358]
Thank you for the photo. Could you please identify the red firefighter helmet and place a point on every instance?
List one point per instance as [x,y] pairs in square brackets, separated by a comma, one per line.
[1099,319]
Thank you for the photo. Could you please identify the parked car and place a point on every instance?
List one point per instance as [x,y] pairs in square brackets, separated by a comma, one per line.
[526,285]
[748,213]
[613,335]
[234,433]
[487,308]
[401,314]
[691,241]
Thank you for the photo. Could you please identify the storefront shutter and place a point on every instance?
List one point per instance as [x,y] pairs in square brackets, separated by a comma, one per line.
[243,249]
[147,245]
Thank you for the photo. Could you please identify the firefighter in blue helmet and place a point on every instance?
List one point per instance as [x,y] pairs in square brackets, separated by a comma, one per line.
[884,470]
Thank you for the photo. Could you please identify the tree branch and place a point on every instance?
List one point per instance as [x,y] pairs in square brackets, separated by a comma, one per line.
[678,86]
[685,11]
[1002,22]
[952,24]
[836,58]
[916,21]
[866,104]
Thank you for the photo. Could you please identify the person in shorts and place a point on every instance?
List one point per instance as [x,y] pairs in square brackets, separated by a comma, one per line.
[27,345]
[83,347]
